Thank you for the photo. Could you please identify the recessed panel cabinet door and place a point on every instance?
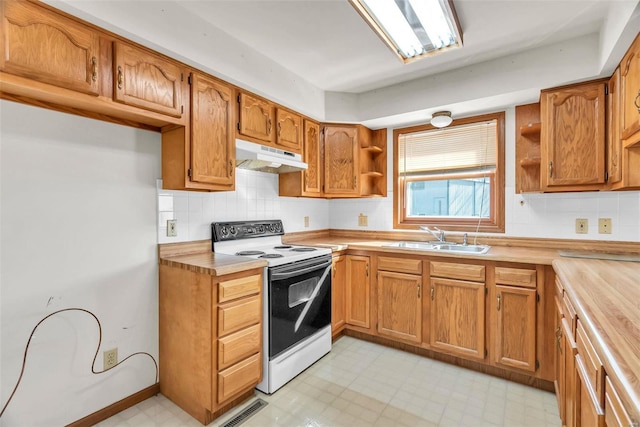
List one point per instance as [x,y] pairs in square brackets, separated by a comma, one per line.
[312,157]
[400,305]
[212,134]
[573,137]
[289,130]
[338,293]
[44,46]
[516,327]
[457,317]
[340,160]
[630,90]
[358,291]
[145,80]
[256,118]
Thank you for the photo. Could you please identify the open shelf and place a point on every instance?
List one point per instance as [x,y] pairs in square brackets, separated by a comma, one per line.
[531,131]
[527,163]
[528,159]
[373,149]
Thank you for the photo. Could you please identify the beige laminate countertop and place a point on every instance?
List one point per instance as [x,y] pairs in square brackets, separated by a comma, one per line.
[606,295]
[496,253]
[212,263]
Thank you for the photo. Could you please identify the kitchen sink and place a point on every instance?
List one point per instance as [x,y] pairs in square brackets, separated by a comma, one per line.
[441,247]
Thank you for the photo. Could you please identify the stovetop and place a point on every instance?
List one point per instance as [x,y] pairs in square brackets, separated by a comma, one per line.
[260,240]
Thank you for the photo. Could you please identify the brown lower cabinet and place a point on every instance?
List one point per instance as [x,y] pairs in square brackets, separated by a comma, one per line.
[358,291]
[210,338]
[338,293]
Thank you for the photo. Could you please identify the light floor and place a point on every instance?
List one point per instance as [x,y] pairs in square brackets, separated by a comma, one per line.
[365,384]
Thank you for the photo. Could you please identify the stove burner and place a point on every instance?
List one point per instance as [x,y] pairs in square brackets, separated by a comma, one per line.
[283,247]
[303,249]
[244,253]
[271,256]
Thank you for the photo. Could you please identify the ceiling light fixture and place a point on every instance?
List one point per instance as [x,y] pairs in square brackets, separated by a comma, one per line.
[413,29]
[441,119]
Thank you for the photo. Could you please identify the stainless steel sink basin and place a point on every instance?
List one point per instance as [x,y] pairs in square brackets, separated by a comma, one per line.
[441,247]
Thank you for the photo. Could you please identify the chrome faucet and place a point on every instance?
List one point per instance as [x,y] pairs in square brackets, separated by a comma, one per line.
[436,232]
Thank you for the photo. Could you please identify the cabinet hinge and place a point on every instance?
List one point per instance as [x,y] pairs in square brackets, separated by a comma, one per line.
[486,291]
[486,353]
[189,79]
[238,99]
[537,297]
[189,172]
[606,89]
[606,176]
[238,125]
[181,77]
[182,109]
[537,364]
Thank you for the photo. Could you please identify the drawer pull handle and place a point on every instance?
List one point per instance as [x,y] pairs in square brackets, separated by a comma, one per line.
[550,169]
[120,77]
[433,293]
[231,168]
[419,290]
[636,101]
[94,68]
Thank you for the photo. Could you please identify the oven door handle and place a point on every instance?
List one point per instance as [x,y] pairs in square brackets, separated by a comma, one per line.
[293,273]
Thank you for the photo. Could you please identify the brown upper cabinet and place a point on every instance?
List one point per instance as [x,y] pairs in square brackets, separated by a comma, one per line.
[355,161]
[573,137]
[630,91]
[614,142]
[145,80]
[256,119]
[41,45]
[307,183]
[202,156]
[289,132]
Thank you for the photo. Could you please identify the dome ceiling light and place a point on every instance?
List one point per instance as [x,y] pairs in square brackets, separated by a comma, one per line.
[441,119]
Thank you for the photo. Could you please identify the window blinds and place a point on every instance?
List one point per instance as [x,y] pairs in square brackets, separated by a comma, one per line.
[448,149]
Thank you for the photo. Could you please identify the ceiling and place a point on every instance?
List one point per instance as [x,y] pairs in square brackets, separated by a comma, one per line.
[328,44]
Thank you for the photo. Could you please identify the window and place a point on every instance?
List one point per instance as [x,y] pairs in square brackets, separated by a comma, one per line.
[451,177]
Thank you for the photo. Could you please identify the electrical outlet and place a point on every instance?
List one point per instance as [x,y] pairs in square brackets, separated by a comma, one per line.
[604,225]
[110,358]
[363,220]
[172,227]
[306,221]
[582,225]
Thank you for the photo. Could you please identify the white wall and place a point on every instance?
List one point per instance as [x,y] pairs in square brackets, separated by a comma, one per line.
[526,215]
[78,202]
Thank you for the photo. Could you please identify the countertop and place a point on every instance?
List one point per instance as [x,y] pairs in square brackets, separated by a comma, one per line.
[212,263]
[606,295]
[496,253]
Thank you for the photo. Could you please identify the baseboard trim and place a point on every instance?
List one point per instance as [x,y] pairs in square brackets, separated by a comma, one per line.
[116,407]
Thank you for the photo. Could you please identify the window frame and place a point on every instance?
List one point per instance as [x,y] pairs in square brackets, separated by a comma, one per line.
[493,224]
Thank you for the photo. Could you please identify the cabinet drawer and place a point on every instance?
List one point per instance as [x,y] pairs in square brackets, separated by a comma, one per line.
[516,276]
[450,270]
[589,411]
[614,413]
[240,287]
[238,314]
[240,377]
[592,364]
[238,346]
[400,265]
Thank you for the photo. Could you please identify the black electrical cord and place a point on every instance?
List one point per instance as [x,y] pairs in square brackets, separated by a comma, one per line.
[95,356]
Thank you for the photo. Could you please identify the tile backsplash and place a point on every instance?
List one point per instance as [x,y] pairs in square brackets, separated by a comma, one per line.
[256,197]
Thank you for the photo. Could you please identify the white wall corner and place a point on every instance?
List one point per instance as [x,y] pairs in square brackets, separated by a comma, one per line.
[619,30]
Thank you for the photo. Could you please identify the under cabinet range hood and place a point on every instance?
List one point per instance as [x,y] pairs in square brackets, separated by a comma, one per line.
[252,156]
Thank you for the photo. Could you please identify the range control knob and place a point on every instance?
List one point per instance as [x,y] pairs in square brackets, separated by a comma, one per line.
[232,230]
[224,231]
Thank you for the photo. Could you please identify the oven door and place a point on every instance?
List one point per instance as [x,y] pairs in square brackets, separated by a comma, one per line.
[299,302]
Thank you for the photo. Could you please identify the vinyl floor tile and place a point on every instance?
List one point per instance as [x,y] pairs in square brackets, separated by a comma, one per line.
[364,384]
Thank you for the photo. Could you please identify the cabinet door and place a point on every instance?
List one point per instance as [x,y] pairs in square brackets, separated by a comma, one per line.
[338,291]
[573,137]
[570,351]
[289,130]
[400,306]
[313,158]
[212,135]
[614,142]
[358,291]
[41,45]
[457,317]
[559,381]
[515,337]
[340,160]
[145,80]
[630,90]
[588,410]
[256,118]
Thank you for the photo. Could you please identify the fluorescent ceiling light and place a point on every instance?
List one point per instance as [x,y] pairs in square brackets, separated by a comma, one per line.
[412,28]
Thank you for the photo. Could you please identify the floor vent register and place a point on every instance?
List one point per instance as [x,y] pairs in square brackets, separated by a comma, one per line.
[246,413]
